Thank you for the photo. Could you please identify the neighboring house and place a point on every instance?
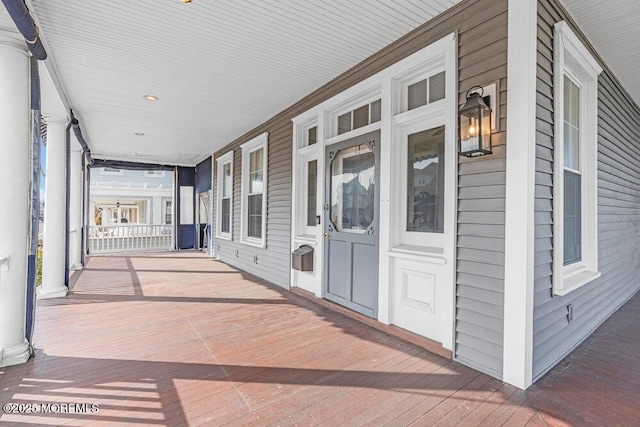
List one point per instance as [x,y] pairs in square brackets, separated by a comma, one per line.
[508,260]
[121,196]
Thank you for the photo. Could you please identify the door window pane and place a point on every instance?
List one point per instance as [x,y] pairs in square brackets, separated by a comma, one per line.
[344,123]
[361,117]
[436,87]
[376,111]
[312,135]
[572,217]
[254,226]
[312,191]
[417,94]
[353,189]
[425,181]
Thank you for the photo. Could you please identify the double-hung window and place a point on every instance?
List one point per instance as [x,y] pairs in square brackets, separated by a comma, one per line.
[575,162]
[225,195]
[254,191]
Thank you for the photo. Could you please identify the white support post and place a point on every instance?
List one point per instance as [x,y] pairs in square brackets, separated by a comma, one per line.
[157,210]
[75,213]
[15,174]
[55,211]
[520,193]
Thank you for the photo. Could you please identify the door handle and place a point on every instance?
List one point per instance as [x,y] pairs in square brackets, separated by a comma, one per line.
[326,235]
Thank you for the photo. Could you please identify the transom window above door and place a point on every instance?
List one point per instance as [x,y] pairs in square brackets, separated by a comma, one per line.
[425,91]
[359,117]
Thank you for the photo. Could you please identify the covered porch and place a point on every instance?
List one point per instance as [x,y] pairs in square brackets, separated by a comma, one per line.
[180,338]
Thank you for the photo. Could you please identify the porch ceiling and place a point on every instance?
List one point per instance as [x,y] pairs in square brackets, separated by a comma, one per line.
[221,68]
[218,68]
[612,27]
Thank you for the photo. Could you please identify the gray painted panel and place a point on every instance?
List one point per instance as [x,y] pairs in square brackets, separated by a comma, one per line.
[482,243]
[618,220]
[482,320]
[481,269]
[476,294]
[480,218]
[486,257]
[481,282]
[339,268]
[365,275]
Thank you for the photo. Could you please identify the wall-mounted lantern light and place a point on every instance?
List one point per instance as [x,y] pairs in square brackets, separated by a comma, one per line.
[118,204]
[474,125]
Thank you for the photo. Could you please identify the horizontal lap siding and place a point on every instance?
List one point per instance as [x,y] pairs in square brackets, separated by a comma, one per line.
[481,200]
[273,261]
[482,31]
[618,210]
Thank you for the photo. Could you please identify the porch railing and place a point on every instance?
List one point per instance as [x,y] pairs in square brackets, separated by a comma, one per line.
[129,238]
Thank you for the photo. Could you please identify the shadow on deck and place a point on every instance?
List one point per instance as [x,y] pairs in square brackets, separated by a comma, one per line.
[180,339]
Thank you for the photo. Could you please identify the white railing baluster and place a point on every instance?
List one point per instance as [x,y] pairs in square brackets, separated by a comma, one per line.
[129,238]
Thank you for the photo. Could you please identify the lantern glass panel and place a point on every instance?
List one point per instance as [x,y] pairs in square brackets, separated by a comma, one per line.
[469,128]
[486,129]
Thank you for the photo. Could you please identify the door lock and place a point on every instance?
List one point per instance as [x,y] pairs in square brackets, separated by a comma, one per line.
[326,235]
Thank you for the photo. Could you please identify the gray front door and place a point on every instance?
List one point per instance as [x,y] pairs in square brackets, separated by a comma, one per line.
[351,223]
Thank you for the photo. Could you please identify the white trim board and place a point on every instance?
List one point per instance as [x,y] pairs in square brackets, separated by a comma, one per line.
[520,193]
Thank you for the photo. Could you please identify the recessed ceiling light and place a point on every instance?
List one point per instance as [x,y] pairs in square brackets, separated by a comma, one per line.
[185,1]
[151,98]
[139,134]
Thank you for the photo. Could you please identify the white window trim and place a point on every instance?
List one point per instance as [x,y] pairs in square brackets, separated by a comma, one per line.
[220,162]
[261,141]
[572,58]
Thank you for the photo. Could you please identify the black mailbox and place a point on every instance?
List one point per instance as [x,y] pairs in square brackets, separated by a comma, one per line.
[302,258]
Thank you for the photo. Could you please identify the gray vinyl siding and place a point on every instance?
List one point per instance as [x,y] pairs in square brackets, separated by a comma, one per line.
[618,209]
[481,200]
[482,31]
[273,261]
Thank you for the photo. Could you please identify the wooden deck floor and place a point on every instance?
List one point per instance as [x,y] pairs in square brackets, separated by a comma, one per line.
[180,339]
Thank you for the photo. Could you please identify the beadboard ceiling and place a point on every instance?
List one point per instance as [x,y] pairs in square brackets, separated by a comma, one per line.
[612,27]
[220,68]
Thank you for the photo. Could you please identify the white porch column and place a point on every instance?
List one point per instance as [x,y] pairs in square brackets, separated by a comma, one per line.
[75,213]
[55,211]
[15,174]
[157,210]
[520,194]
